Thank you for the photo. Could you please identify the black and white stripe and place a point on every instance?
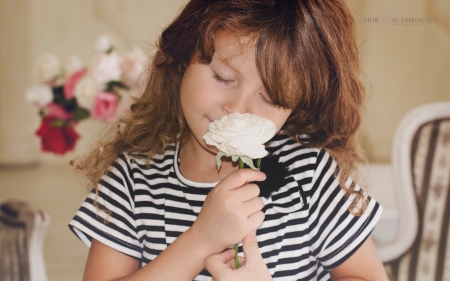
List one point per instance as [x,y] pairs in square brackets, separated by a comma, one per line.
[307,229]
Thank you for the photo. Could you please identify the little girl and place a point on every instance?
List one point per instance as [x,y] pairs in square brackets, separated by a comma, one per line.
[160,207]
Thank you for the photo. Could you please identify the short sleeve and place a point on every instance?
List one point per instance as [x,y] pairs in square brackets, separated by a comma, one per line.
[111,219]
[334,231]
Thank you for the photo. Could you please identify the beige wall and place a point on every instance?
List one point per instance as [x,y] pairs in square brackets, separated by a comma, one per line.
[16,139]
[407,65]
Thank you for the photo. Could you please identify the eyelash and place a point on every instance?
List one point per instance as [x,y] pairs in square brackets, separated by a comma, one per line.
[266,101]
[220,79]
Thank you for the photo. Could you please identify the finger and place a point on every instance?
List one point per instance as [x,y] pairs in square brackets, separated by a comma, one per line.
[242,176]
[251,249]
[255,220]
[247,192]
[254,205]
[217,264]
[225,256]
[232,264]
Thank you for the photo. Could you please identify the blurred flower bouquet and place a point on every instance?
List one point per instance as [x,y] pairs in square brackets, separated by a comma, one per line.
[70,93]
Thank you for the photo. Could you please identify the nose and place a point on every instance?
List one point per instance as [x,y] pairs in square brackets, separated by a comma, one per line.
[237,103]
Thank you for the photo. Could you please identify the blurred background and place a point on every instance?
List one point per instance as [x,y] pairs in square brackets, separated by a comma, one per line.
[407,64]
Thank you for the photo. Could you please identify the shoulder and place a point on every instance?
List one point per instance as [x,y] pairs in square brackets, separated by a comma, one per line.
[297,157]
[313,168]
[141,161]
[133,168]
[300,161]
[169,151]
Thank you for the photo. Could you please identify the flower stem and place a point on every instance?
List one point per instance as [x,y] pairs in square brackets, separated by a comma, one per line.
[236,259]
[241,164]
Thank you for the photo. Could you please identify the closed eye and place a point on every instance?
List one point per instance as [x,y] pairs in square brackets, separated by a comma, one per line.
[220,79]
[267,101]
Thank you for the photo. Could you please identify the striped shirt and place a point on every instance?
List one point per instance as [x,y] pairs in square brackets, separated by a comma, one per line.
[307,230]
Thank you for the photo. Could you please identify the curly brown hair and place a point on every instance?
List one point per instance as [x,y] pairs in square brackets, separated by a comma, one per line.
[307,58]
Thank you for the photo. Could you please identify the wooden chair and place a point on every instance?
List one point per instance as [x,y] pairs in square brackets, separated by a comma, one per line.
[22,232]
[421,164]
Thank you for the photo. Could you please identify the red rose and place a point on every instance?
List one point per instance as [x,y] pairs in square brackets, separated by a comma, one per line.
[56,139]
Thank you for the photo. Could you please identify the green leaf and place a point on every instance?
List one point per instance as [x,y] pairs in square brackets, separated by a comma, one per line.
[218,158]
[112,85]
[109,51]
[249,162]
[80,114]
[244,159]
[57,123]
[59,98]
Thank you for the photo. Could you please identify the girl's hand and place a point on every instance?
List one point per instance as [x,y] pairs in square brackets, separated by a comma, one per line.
[230,211]
[221,266]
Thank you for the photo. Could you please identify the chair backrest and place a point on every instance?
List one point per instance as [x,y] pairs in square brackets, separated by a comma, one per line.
[22,233]
[421,163]
[15,230]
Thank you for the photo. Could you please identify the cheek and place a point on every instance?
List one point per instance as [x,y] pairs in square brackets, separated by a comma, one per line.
[195,90]
[188,95]
[281,117]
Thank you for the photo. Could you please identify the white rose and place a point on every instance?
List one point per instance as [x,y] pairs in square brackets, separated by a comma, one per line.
[48,67]
[105,68]
[241,135]
[39,95]
[103,44]
[85,92]
[72,65]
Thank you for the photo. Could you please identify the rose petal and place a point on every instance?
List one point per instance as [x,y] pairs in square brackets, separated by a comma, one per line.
[255,152]
[241,134]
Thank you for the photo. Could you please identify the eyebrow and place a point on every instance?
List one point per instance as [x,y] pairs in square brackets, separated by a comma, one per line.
[224,61]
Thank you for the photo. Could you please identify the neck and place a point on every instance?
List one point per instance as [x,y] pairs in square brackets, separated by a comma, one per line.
[199,164]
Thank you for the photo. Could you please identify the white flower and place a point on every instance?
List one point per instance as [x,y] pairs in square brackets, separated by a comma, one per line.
[85,92]
[241,135]
[39,95]
[105,68]
[103,44]
[72,65]
[48,67]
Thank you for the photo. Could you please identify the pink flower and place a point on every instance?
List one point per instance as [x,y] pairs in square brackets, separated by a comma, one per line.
[133,64]
[55,110]
[69,86]
[105,106]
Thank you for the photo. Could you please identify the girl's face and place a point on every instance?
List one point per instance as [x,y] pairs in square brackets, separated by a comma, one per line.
[230,84]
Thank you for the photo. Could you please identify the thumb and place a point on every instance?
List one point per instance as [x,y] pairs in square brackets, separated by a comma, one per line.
[217,264]
[251,249]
